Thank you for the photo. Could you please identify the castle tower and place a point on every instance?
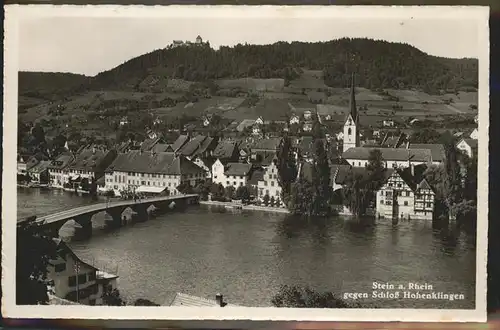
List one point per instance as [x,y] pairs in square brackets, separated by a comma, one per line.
[351,124]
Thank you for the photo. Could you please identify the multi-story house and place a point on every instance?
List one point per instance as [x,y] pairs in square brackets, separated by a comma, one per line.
[231,174]
[89,165]
[58,173]
[406,195]
[141,170]
[269,185]
[76,280]
[40,172]
[468,147]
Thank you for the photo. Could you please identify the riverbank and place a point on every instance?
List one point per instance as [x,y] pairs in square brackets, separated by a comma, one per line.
[246,207]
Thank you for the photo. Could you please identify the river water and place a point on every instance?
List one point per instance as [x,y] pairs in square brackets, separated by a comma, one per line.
[247,255]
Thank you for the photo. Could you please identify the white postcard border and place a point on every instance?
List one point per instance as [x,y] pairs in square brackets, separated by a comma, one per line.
[10,310]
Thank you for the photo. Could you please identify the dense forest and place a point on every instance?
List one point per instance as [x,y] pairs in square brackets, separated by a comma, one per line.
[377,64]
[44,85]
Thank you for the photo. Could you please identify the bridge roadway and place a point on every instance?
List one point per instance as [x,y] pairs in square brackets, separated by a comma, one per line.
[83,214]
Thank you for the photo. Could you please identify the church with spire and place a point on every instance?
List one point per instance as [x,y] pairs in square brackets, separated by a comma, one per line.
[351,123]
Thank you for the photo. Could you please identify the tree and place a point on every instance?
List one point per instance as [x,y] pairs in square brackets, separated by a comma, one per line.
[304,297]
[185,188]
[356,195]
[271,201]
[301,198]
[217,191]
[229,192]
[34,252]
[287,168]
[376,169]
[112,297]
[265,200]
[243,193]
[320,174]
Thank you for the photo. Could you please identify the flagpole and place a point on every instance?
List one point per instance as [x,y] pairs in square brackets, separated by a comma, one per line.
[77,268]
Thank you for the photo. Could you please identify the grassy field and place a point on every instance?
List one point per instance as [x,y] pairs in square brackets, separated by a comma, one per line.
[276,102]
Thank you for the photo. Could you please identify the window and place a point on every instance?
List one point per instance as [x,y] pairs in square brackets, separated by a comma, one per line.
[227,183]
[382,201]
[72,281]
[267,192]
[82,278]
[60,268]
[429,205]
[399,185]
[349,131]
[405,203]
[272,183]
[92,276]
[265,183]
[234,183]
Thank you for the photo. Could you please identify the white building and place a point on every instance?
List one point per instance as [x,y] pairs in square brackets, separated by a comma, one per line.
[76,280]
[474,134]
[294,119]
[231,174]
[58,170]
[468,146]
[351,124]
[89,164]
[414,154]
[269,185]
[142,169]
[406,195]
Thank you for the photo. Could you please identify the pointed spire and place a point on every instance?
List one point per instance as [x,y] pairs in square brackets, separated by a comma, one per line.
[352,101]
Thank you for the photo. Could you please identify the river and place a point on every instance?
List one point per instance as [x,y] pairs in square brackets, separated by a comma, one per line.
[247,255]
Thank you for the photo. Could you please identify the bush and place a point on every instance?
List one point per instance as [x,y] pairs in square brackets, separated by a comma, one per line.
[265,200]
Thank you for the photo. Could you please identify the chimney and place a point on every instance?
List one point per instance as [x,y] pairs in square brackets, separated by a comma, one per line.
[219,299]
[412,168]
[93,150]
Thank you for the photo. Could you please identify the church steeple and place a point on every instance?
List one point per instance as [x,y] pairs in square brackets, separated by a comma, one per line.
[351,124]
[352,101]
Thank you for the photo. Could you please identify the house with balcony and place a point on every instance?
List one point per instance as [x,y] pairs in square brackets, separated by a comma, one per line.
[74,279]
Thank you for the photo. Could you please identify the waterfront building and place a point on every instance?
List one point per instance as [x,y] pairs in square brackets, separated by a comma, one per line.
[141,169]
[351,123]
[89,165]
[269,185]
[231,174]
[25,163]
[71,278]
[468,147]
[40,172]
[406,194]
[58,173]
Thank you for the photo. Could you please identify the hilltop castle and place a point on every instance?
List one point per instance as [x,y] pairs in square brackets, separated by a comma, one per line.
[197,42]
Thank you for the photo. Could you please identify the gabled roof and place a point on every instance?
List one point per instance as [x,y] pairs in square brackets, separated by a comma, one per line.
[238,169]
[148,144]
[437,150]
[225,149]
[158,163]
[415,180]
[40,167]
[62,161]
[162,147]
[244,124]
[195,146]
[471,142]
[390,154]
[269,144]
[180,142]
[88,159]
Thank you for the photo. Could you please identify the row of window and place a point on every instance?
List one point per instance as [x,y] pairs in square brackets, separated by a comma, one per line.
[83,293]
[405,203]
[261,192]
[81,279]
[234,183]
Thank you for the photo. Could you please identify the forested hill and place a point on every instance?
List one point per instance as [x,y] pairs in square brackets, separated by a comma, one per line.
[46,84]
[377,64]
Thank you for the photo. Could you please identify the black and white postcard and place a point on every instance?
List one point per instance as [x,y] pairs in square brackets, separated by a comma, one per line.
[245,163]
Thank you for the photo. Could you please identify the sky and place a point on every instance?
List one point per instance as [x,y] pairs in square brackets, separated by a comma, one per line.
[89,45]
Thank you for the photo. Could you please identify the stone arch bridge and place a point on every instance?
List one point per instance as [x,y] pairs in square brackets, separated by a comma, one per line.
[51,224]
